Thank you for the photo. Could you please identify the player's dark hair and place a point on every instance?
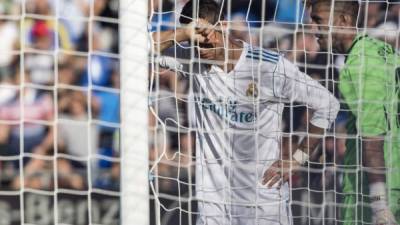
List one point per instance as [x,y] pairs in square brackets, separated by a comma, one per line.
[350,7]
[203,9]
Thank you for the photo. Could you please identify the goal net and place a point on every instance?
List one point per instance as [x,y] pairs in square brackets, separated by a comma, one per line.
[180,135]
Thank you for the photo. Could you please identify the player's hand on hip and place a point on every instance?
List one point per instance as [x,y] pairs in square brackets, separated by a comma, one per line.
[279,172]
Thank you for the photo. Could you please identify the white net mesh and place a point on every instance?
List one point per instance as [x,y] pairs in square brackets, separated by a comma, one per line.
[187,143]
[59,119]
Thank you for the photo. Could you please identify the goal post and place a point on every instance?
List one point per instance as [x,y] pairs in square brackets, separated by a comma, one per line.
[134,109]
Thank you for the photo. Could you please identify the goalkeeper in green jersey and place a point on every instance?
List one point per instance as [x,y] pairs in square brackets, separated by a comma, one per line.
[369,84]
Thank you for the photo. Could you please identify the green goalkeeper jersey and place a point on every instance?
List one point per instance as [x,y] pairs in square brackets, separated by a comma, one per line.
[369,84]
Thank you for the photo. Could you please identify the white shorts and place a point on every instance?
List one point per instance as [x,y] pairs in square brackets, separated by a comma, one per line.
[222,214]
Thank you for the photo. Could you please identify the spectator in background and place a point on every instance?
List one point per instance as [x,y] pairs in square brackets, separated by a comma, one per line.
[98,69]
[42,37]
[289,11]
[277,37]
[8,97]
[241,28]
[394,10]
[10,7]
[40,66]
[71,71]
[109,32]
[67,74]
[76,137]
[387,30]
[178,6]
[37,138]
[102,71]
[304,50]
[59,34]
[72,13]
[165,103]
[106,33]
[160,153]
[38,106]
[254,10]
[108,105]
[168,97]
[186,157]
[8,91]
[161,11]
[314,62]
[373,13]
[8,44]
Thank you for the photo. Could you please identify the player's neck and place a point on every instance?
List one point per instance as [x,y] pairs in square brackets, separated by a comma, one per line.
[347,43]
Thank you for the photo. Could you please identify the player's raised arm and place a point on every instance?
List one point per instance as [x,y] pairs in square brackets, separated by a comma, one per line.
[165,39]
[374,162]
[299,87]
[196,32]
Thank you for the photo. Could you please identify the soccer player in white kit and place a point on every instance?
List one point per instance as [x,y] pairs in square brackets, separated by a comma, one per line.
[241,172]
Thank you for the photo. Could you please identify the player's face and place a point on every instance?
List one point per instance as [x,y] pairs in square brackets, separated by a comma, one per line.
[212,51]
[320,14]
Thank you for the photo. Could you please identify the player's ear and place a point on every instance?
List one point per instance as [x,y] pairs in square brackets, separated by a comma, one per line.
[345,20]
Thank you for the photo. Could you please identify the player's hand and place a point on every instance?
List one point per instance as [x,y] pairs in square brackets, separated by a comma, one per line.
[381,214]
[279,172]
[200,31]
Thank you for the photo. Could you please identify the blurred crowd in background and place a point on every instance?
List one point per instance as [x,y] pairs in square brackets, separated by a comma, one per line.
[64,86]
[286,27]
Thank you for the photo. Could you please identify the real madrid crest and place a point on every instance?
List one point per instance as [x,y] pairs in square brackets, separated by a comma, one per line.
[252,90]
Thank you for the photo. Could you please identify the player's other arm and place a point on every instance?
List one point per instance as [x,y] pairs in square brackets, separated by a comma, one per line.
[325,106]
[165,39]
[299,87]
[374,163]
[373,126]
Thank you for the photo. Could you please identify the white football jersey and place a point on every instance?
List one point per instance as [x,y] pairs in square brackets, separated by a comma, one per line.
[239,122]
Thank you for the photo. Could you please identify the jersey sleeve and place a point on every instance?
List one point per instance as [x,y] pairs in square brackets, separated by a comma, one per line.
[177,56]
[368,102]
[296,86]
